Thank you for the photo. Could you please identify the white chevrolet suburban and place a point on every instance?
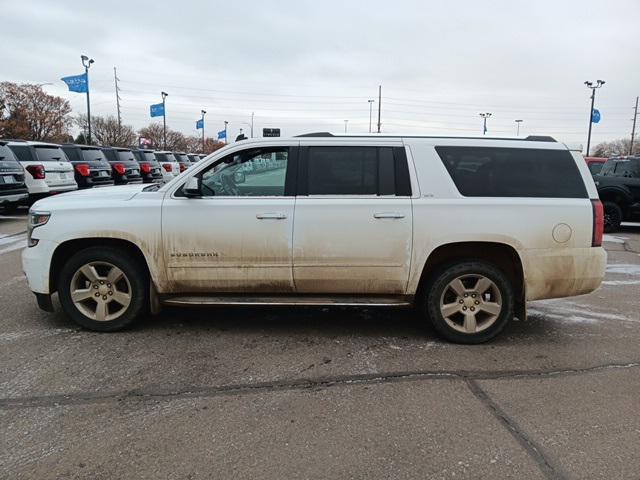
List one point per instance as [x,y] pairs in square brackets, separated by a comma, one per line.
[465,229]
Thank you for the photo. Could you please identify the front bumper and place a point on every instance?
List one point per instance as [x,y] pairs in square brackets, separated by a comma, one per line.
[565,272]
[36,263]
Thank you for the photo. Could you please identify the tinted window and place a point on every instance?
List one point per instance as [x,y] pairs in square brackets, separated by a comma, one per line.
[181,157]
[50,154]
[513,172]
[93,155]
[249,173]
[6,155]
[165,157]
[342,171]
[607,168]
[595,168]
[71,153]
[149,156]
[125,156]
[627,168]
[22,152]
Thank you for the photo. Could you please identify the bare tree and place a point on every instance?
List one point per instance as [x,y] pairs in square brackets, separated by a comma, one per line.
[615,147]
[105,131]
[28,112]
[176,141]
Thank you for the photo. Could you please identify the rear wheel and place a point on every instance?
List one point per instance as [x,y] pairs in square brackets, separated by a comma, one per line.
[469,302]
[103,289]
[612,217]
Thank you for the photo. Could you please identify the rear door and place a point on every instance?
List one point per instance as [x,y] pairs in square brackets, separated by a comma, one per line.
[353,220]
[58,169]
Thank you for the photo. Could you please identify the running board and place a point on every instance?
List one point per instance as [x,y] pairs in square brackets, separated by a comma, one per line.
[339,301]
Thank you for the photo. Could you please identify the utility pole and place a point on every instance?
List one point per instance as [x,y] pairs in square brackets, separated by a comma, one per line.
[484,118]
[252,115]
[379,105]
[370,112]
[203,112]
[599,83]
[633,129]
[86,63]
[116,80]
[164,121]
[518,122]
[345,125]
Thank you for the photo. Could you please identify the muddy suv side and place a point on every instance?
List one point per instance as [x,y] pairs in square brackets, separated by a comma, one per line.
[466,230]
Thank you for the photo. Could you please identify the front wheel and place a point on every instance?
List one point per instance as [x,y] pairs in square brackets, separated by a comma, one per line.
[103,289]
[469,302]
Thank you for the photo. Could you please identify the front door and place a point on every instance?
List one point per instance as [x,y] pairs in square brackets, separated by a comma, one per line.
[353,224]
[237,236]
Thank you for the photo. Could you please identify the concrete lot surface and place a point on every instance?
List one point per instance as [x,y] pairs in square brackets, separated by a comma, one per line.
[321,393]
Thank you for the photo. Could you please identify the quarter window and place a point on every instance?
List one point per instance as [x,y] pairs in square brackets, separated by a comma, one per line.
[513,172]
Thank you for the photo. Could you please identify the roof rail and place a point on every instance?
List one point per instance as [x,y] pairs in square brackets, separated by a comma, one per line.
[530,138]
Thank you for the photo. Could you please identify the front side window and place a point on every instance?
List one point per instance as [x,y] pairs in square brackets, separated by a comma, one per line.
[257,172]
[513,172]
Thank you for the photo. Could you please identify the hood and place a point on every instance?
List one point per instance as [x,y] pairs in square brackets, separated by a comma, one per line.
[81,197]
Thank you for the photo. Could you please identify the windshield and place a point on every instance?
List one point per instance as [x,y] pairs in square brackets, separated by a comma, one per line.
[93,155]
[125,156]
[6,155]
[50,154]
[165,157]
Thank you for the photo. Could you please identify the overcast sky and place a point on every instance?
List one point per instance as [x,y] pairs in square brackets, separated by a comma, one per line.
[310,65]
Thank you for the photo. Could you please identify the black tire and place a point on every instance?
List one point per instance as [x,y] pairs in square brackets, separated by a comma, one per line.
[134,271]
[612,217]
[435,289]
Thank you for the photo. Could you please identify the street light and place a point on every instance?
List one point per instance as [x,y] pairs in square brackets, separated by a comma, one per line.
[484,118]
[370,101]
[164,121]
[203,112]
[599,83]
[86,63]
[518,122]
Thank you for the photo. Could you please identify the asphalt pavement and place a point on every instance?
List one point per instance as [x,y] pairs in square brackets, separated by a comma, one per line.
[321,392]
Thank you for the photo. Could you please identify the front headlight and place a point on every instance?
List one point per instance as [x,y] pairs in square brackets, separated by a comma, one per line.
[36,219]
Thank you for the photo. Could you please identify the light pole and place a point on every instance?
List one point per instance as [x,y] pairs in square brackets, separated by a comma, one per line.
[226,140]
[518,122]
[252,115]
[484,118]
[345,125]
[164,121]
[370,101]
[599,83]
[203,112]
[86,63]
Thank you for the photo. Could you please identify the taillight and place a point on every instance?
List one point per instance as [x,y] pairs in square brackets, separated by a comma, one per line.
[36,171]
[145,167]
[119,168]
[183,167]
[83,170]
[167,167]
[598,223]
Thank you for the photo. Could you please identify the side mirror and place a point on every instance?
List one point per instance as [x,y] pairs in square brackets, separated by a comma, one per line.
[239,177]
[193,187]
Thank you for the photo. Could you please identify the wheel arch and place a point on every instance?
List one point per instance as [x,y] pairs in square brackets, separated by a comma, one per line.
[502,255]
[69,247]
[617,195]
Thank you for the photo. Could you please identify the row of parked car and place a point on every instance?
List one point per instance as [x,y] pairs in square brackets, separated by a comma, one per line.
[33,170]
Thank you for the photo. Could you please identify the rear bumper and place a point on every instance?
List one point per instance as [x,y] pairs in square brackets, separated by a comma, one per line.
[18,196]
[566,272]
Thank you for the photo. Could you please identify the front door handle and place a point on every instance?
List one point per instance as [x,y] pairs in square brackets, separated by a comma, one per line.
[271,216]
[388,215]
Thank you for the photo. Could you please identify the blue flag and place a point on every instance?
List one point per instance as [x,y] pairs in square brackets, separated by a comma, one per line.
[222,135]
[77,83]
[157,110]
[595,115]
[200,124]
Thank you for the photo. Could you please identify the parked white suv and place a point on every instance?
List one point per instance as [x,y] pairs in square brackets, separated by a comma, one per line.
[465,229]
[169,164]
[47,168]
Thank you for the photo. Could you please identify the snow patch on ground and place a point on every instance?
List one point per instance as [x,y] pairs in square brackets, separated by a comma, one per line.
[624,268]
[614,239]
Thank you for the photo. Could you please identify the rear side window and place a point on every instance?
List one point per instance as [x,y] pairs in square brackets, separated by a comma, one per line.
[627,168]
[355,171]
[50,154]
[513,172]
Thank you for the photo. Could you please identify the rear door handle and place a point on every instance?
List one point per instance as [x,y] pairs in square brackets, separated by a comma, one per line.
[388,215]
[271,216]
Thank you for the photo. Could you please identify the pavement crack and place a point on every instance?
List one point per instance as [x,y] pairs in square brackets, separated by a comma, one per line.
[535,451]
[203,391]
